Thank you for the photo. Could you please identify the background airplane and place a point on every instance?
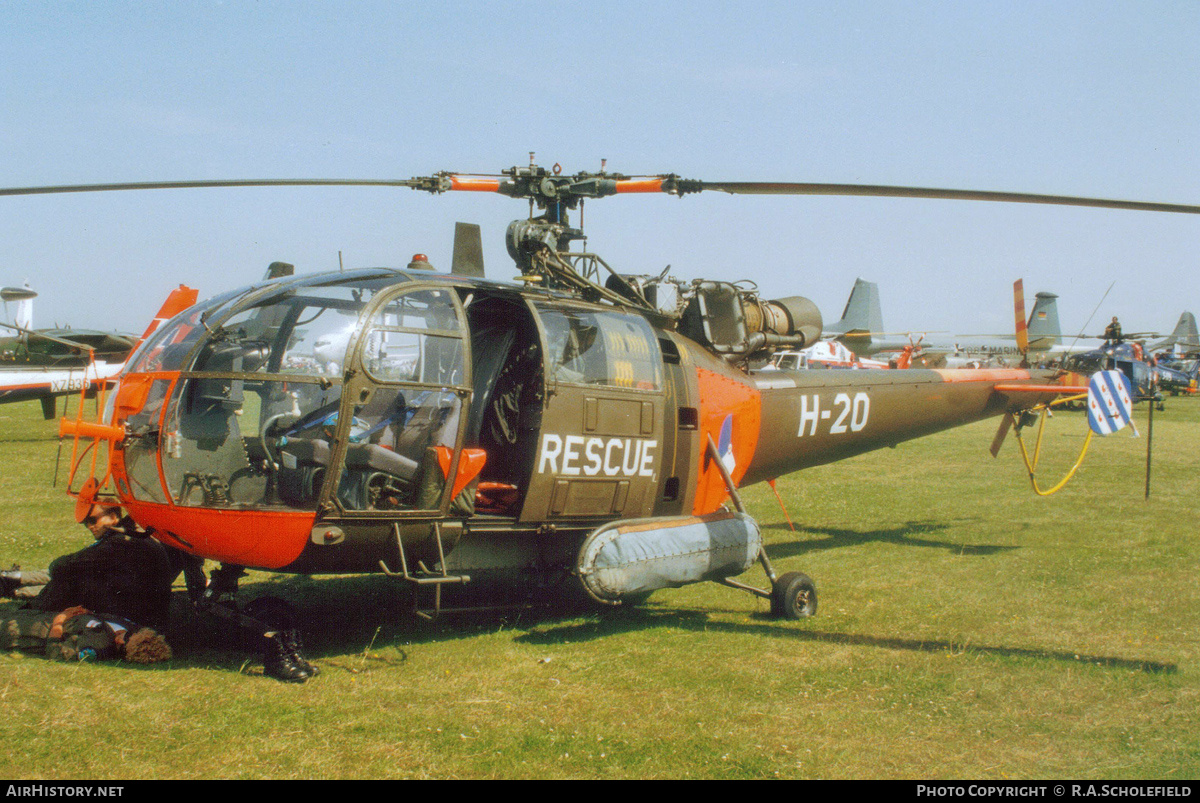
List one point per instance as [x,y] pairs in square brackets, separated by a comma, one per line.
[861,329]
[860,318]
[47,363]
[1185,338]
[1178,358]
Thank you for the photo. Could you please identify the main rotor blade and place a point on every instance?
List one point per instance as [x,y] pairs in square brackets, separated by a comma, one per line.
[646,184]
[186,185]
[883,191]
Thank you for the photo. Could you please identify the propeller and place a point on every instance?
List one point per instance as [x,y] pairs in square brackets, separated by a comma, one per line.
[587,185]
[555,193]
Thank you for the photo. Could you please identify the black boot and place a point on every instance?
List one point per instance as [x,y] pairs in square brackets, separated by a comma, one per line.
[291,644]
[278,663]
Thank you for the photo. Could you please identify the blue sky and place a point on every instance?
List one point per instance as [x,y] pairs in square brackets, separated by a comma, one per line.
[1083,98]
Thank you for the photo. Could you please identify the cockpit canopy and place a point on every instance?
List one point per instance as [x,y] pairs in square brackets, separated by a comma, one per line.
[245,400]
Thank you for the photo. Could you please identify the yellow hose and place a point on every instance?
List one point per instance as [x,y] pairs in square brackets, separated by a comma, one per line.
[1031,467]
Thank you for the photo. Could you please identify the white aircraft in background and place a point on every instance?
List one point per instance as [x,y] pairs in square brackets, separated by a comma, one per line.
[47,363]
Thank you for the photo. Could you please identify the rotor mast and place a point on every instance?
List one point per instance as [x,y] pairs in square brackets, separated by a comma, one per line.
[541,245]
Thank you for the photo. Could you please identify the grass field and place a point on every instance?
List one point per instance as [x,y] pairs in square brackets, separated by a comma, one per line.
[967,629]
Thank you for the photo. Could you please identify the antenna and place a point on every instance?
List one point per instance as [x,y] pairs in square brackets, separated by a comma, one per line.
[1093,315]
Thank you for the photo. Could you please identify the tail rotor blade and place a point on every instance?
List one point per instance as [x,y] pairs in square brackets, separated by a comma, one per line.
[1002,433]
[1019,313]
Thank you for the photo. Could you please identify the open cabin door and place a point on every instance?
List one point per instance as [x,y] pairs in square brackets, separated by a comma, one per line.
[400,425]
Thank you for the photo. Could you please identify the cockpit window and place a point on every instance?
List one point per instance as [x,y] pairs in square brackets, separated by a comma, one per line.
[1086,363]
[591,347]
[298,330]
[251,421]
[293,328]
[415,337]
[166,349]
[248,443]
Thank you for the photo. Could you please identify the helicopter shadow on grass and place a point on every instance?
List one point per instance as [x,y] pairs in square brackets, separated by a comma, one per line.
[353,621]
[907,534]
[701,622]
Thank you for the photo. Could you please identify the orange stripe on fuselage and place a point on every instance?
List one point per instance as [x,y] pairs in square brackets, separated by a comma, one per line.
[722,396]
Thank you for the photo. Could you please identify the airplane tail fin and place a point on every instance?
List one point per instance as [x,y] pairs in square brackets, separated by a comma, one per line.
[278,270]
[1190,336]
[862,314]
[862,310]
[1185,335]
[1043,327]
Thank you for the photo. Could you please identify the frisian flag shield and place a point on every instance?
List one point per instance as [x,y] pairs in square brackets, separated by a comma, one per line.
[1110,406]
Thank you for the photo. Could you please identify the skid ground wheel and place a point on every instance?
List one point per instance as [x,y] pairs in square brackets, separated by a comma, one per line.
[794,596]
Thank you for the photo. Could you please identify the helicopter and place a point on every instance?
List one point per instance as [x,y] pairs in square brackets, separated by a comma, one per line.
[1177,376]
[1129,357]
[578,427]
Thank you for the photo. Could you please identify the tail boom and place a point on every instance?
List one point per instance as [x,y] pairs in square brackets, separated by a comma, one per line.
[816,417]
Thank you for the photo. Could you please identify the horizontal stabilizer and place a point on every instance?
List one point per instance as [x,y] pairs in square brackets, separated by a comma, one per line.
[23,297]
